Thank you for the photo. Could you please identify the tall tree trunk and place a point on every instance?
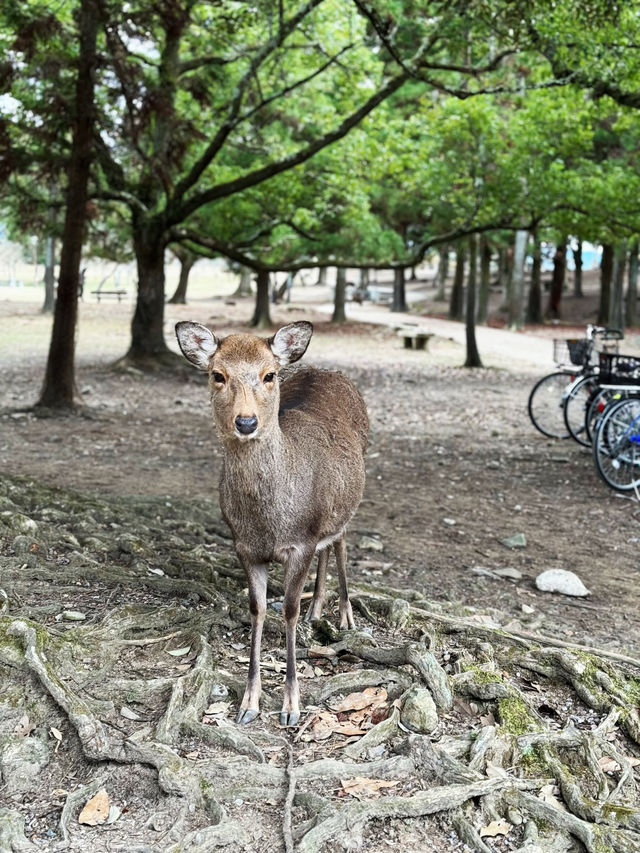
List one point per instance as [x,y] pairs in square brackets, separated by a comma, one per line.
[473,356]
[631,302]
[557,281]
[577,275]
[339,315]
[456,304]
[442,274]
[58,390]
[505,271]
[261,317]
[606,274]
[244,285]
[616,312]
[516,297]
[187,260]
[485,280]
[148,345]
[399,302]
[534,306]
[364,278]
[49,275]
[322,276]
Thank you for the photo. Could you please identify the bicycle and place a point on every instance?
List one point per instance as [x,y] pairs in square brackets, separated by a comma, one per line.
[566,388]
[616,444]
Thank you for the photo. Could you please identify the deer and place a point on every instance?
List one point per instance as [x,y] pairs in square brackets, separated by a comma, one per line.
[293,475]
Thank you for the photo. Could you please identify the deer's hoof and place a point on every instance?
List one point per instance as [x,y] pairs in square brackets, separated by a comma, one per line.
[246,715]
[289,718]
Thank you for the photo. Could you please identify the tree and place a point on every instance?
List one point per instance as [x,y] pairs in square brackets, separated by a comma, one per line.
[473,356]
[58,390]
[187,260]
[339,315]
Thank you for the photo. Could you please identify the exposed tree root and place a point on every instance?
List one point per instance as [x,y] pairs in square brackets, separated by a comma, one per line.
[12,837]
[534,733]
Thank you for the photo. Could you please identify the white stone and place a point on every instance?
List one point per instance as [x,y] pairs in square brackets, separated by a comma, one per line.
[560,580]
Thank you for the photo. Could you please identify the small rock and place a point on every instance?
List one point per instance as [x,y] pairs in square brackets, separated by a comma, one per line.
[528,609]
[518,540]
[73,615]
[508,572]
[19,523]
[370,543]
[563,581]
[449,521]
[419,713]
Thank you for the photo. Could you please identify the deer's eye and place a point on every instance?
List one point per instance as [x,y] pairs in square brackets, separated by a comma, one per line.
[218,377]
[269,377]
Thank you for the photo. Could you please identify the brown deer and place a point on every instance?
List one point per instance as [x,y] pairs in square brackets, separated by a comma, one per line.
[292,476]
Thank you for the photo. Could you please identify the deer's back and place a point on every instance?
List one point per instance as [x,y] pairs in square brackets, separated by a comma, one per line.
[326,403]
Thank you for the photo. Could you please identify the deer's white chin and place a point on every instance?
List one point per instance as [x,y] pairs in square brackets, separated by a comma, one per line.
[243,437]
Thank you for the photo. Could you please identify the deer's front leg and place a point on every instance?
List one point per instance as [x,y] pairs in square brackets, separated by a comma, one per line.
[295,576]
[257,580]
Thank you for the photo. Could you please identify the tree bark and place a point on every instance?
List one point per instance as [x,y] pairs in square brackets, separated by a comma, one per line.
[244,285]
[616,312]
[399,302]
[187,260]
[534,307]
[456,304]
[148,345]
[485,280]
[473,356]
[516,296]
[631,303]
[442,274]
[322,276]
[606,273]
[49,275]
[58,390]
[557,281]
[261,317]
[577,275]
[339,314]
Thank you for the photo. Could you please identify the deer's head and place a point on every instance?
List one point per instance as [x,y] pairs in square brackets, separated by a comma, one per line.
[243,374]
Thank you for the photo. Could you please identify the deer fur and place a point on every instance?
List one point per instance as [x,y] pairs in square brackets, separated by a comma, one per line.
[292,476]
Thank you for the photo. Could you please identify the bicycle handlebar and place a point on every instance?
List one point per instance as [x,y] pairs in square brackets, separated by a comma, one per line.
[607,332]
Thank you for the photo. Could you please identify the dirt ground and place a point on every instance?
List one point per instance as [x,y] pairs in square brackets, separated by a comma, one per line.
[454,468]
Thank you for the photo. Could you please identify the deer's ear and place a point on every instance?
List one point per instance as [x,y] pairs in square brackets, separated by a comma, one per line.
[290,342]
[197,343]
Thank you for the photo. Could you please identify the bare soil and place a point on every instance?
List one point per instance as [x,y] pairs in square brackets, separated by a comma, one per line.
[454,467]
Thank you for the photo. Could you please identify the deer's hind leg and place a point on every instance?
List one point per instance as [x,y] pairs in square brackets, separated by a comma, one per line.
[346,614]
[317,602]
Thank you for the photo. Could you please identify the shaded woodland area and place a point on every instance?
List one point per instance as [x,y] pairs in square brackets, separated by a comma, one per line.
[359,165]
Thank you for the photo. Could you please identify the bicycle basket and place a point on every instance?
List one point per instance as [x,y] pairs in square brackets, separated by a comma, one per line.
[570,350]
[616,369]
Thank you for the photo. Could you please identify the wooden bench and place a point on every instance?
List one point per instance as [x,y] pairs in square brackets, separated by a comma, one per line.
[414,337]
[109,293]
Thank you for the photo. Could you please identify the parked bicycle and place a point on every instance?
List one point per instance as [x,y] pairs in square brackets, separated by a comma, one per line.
[616,434]
[558,401]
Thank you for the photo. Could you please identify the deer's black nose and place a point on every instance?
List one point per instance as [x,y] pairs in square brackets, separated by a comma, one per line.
[246,425]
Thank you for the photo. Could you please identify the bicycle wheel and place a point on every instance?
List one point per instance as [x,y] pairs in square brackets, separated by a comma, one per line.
[546,402]
[616,448]
[576,403]
[601,400]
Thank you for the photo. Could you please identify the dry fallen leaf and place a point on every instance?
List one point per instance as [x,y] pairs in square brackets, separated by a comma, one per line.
[370,696]
[57,735]
[547,795]
[360,787]
[321,652]
[24,727]
[608,765]
[96,810]
[128,714]
[634,761]
[177,653]
[496,827]
[216,708]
